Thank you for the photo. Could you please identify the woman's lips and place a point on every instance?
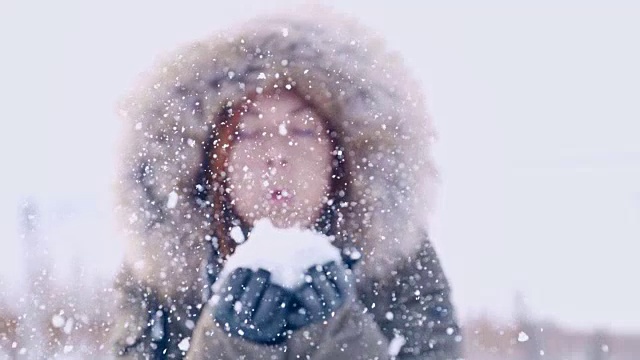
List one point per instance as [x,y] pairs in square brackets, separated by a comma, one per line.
[280,195]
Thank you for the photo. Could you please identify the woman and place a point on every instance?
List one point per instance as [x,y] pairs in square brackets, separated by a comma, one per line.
[307,123]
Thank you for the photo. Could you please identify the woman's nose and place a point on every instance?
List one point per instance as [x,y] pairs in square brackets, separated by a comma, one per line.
[273,162]
[276,154]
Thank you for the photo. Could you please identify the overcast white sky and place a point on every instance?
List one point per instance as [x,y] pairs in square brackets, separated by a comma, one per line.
[537,110]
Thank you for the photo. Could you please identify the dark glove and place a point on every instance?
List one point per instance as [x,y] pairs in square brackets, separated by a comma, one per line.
[327,289]
[252,307]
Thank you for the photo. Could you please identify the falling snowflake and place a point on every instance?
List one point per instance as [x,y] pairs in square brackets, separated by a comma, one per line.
[172,201]
[57,321]
[237,235]
[523,337]
[184,345]
[396,344]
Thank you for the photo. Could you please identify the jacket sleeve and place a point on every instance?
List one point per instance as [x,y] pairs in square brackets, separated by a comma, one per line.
[351,334]
[210,341]
[413,308]
[139,323]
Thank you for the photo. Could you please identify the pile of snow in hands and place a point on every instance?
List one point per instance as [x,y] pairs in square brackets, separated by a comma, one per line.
[286,253]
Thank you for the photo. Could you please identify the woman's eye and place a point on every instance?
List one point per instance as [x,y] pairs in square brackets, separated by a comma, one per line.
[248,135]
[303,132]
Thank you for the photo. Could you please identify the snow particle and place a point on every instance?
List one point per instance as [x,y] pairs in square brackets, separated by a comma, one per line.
[184,345]
[57,321]
[215,299]
[396,344]
[523,337]
[68,326]
[285,32]
[282,129]
[172,200]
[355,255]
[138,265]
[237,307]
[237,235]
[133,218]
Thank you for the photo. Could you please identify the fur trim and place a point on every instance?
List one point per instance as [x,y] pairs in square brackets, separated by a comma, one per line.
[343,69]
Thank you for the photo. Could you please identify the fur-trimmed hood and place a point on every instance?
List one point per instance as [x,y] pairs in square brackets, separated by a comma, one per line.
[343,69]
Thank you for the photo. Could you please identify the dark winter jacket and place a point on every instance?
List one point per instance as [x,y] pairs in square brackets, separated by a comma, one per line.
[378,111]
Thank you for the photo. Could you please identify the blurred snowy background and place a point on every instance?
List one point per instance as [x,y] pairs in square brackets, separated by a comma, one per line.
[537,107]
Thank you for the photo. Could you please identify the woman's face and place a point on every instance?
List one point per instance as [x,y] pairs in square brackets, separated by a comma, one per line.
[280,163]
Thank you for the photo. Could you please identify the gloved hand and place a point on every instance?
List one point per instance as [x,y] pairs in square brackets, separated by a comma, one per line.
[326,289]
[252,307]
